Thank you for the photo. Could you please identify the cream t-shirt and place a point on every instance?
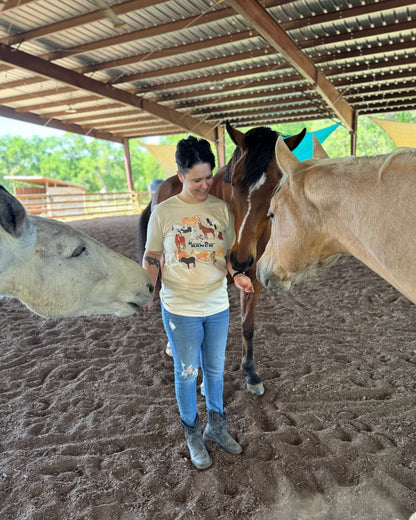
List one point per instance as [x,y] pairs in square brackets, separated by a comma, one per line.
[195,239]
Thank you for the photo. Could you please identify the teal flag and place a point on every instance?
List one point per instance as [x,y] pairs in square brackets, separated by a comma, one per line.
[304,150]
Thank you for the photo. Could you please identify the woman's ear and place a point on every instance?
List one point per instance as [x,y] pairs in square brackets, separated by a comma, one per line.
[180,176]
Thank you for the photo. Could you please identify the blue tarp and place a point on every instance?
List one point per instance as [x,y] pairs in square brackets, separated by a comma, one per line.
[304,150]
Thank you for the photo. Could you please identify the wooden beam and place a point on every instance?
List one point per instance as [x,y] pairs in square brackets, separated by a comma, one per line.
[5,5]
[266,26]
[55,123]
[75,21]
[168,52]
[242,75]
[164,29]
[195,65]
[237,87]
[69,77]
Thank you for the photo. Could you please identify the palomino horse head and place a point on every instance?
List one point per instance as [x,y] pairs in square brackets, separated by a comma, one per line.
[254,175]
[58,271]
[297,245]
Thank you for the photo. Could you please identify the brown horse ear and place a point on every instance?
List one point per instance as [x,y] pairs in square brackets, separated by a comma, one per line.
[293,141]
[236,136]
[286,161]
[318,151]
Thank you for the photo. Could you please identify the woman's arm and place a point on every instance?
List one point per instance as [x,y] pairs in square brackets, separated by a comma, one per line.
[151,264]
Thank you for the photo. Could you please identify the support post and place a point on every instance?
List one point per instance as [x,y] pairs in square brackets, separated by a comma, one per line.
[353,135]
[127,165]
[220,145]
[353,143]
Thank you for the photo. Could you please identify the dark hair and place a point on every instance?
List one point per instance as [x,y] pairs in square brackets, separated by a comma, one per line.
[191,151]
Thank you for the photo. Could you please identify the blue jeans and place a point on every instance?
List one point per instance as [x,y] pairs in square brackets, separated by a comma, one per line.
[197,341]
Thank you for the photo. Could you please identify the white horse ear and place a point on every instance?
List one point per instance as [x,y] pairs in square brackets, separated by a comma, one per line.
[318,151]
[286,161]
[12,213]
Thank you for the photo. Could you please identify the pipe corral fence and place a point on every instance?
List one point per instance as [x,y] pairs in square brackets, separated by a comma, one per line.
[63,200]
[71,206]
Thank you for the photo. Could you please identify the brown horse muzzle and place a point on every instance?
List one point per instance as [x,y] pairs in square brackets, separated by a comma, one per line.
[241,266]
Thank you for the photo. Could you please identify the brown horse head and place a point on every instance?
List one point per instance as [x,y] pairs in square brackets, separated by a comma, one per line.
[254,174]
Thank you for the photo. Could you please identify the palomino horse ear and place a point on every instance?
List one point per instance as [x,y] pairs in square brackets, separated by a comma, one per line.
[286,161]
[236,136]
[12,213]
[318,151]
[293,141]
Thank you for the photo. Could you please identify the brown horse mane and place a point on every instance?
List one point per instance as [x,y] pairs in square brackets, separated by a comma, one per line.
[234,158]
[260,142]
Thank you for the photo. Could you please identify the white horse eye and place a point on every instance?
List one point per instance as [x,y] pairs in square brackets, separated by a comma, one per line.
[78,251]
[270,215]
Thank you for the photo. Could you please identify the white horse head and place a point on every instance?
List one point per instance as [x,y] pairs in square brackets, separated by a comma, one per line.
[58,271]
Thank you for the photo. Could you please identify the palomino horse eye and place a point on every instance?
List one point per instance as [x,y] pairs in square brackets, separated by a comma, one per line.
[270,215]
[78,251]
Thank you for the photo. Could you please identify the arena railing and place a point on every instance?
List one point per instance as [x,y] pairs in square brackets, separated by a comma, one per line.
[85,205]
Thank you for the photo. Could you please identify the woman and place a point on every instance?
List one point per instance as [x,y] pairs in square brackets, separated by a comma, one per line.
[192,233]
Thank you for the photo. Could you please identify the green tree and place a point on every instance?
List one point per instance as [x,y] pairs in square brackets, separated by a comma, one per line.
[99,165]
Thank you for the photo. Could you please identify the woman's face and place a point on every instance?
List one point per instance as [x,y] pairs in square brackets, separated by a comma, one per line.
[196,183]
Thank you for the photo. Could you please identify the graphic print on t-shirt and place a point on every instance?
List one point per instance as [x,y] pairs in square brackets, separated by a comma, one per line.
[197,240]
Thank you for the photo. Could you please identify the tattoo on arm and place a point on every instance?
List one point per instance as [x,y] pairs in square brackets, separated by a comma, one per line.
[152,261]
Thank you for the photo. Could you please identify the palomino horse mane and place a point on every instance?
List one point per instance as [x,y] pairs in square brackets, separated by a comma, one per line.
[227,176]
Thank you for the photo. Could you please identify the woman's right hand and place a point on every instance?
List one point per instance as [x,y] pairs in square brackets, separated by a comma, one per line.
[243,282]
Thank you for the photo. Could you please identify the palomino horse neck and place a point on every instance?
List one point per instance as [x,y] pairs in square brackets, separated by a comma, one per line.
[359,206]
[58,271]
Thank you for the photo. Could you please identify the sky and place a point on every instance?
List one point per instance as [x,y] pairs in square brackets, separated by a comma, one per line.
[26,130]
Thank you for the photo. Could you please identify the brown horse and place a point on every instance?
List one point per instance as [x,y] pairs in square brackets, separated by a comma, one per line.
[246,183]
[361,206]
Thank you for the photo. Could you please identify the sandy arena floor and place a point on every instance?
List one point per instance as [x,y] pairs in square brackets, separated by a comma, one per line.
[89,428]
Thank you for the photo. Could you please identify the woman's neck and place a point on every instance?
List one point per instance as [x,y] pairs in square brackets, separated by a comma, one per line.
[184,197]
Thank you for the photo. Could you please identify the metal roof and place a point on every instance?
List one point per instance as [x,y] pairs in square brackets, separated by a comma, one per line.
[123,69]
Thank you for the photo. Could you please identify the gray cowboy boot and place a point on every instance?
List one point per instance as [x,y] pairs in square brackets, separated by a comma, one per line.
[199,456]
[216,431]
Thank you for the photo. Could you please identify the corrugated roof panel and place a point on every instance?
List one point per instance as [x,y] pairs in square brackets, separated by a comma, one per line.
[41,13]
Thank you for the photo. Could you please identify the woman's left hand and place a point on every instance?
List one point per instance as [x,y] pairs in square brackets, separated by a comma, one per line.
[243,282]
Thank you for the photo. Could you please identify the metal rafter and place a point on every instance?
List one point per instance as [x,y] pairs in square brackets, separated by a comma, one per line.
[50,70]
[265,25]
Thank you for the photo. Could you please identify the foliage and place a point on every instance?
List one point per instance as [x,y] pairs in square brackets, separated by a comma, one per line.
[96,164]
[99,165]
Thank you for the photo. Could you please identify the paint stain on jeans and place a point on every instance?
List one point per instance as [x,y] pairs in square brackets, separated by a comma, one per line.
[189,372]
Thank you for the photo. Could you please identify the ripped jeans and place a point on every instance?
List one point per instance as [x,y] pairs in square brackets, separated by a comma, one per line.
[197,341]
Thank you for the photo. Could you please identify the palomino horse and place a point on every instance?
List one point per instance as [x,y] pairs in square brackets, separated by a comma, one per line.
[361,206]
[246,183]
[58,271]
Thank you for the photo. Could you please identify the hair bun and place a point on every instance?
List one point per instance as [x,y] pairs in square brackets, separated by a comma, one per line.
[192,151]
